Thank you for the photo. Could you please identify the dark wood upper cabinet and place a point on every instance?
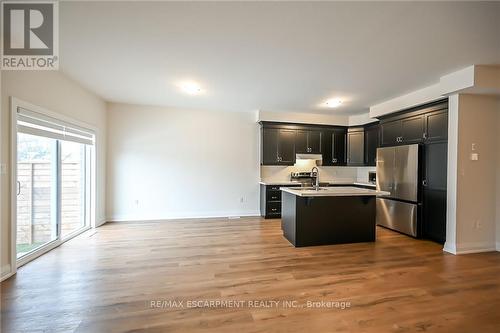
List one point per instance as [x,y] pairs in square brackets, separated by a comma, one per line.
[308,142]
[403,131]
[390,132]
[338,147]
[301,142]
[355,146]
[269,146]
[334,147]
[412,129]
[286,147]
[436,126]
[418,125]
[278,146]
[314,142]
[372,142]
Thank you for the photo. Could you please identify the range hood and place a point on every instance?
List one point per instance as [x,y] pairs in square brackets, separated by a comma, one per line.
[318,158]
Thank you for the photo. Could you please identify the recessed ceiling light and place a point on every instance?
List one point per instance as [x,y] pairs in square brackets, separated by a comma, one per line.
[333,103]
[190,87]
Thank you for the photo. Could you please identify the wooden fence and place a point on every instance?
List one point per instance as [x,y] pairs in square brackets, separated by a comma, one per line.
[34,211]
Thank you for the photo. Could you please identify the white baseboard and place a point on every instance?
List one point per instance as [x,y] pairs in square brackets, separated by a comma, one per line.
[6,272]
[478,247]
[124,218]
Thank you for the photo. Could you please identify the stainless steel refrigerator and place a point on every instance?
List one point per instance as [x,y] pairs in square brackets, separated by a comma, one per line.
[398,172]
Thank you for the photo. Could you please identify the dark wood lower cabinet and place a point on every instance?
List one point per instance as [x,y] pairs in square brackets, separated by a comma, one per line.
[309,221]
[434,191]
[434,215]
[270,201]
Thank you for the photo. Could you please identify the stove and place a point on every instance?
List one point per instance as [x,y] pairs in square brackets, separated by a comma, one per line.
[306,178]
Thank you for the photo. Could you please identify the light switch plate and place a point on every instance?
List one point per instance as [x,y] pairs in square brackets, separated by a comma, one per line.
[474,157]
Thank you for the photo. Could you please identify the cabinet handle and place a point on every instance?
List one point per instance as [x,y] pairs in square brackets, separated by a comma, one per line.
[334,160]
[424,182]
[424,136]
[273,209]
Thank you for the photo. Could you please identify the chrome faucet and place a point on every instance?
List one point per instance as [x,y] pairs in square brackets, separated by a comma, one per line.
[316,183]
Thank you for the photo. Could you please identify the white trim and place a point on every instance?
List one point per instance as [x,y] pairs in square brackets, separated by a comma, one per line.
[476,247]
[128,218]
[13,184]
[49,247]
[36,253]
[414,98]
[76,233]
[6,273]
[450,248]
[452,175]
[498,246]
[467,248]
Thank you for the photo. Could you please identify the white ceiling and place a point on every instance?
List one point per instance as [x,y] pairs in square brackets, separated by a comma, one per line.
[272,56]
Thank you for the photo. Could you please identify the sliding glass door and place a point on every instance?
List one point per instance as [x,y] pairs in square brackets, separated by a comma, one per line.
[73,187]
[36,192]
[53,183]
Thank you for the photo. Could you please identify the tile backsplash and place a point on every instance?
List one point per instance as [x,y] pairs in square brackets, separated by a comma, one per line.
[282,173]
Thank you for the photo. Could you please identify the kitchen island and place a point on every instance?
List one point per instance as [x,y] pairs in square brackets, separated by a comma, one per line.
[328,215]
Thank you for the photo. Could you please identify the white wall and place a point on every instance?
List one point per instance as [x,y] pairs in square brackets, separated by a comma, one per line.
[473,197]
[169,163]
[55,92]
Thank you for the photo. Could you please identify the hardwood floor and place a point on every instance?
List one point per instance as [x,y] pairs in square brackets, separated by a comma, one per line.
[106,282]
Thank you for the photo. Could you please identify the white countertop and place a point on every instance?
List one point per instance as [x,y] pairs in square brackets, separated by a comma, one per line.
[341,191]
[331,182]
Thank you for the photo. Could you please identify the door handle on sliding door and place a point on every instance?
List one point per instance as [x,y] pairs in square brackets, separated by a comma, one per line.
[18,187]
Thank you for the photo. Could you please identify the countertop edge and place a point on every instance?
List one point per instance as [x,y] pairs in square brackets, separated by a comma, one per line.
[333,194]
[347,183]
